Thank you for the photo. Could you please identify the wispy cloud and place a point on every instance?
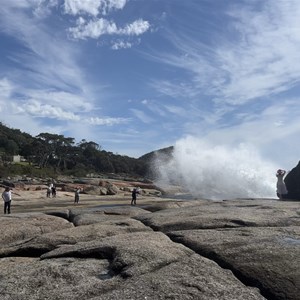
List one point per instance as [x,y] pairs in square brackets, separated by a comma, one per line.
[258,60]
[37,109]
[92,21]
[141,115]
[106,121]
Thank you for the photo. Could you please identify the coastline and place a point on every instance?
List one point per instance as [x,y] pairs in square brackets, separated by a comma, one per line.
[36,201]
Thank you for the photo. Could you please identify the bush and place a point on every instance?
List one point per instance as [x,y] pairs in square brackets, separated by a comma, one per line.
[20,169]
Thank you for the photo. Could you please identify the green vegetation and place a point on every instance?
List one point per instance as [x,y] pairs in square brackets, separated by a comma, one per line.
[50,154]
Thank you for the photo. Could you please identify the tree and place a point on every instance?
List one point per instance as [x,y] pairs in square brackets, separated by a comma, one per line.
[54,147]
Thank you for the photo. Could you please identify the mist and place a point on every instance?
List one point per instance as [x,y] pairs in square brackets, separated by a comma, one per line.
[218,171]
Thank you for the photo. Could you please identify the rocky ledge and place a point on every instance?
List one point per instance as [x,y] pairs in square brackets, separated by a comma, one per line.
[237,249]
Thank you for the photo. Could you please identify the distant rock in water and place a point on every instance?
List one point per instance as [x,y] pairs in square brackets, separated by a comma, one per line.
[292,182]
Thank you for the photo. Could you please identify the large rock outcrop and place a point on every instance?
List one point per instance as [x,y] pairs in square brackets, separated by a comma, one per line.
[242,249]
[292,181]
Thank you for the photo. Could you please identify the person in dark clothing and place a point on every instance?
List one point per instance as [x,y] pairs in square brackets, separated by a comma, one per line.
[133,195]
[53,191]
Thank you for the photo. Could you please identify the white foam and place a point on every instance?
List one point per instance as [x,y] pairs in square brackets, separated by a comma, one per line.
[219,171]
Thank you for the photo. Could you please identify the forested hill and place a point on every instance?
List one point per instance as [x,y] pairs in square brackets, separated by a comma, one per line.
[61,155]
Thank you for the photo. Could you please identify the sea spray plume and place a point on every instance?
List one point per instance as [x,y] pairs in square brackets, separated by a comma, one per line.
[217,171]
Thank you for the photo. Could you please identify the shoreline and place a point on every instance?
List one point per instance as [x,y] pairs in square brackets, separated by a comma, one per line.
[36,201]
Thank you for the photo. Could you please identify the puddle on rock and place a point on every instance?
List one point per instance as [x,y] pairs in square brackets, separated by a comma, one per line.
[291,241]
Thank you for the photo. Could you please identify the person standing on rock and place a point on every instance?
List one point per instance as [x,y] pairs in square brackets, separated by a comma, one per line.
[49,191]
[53,191]
[281,187]
[133,196]
[6,196]
[77,192]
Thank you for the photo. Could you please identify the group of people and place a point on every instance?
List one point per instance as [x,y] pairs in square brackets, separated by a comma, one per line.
[281,191]
[51,190]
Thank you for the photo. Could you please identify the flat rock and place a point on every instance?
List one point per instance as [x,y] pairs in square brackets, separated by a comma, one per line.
[129,252]
[96,215]
[20,227]
[267,257]
[190,278]
[72,278]
[24,278]
[225,214]
[49,241]
[239,249]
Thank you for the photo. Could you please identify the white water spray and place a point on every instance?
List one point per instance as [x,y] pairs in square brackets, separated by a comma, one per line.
[218,172]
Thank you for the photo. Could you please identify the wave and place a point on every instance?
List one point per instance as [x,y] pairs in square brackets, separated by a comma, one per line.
[217,171]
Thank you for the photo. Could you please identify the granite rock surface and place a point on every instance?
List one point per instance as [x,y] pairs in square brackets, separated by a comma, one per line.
[234,249]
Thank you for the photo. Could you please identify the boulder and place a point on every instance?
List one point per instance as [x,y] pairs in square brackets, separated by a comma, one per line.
[92,190]
[292,181]
[112,190]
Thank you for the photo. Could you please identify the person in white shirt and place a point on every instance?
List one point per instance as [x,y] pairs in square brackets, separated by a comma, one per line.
[6,196]
[281,187]
[77,192]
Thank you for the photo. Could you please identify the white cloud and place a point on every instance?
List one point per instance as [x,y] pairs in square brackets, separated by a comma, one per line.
[92,7]
[75,7]
[106,121]
[121,45]
[138,27]
[96,28]
[65,100]
[37,109]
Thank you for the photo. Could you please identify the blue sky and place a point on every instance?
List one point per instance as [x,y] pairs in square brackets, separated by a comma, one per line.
[138,75]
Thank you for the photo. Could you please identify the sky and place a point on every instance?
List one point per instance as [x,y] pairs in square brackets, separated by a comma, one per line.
[138,75]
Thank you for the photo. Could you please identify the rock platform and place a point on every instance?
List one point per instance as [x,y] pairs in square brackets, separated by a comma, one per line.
[200,249]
